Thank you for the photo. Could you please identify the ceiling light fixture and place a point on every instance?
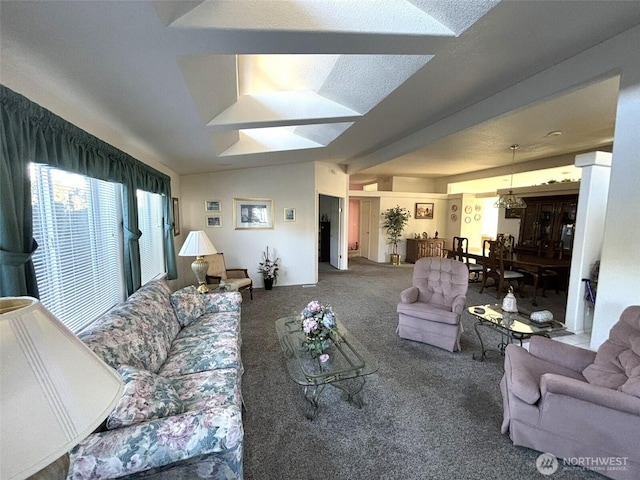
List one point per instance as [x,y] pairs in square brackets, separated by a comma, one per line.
[510,200]
[555,133]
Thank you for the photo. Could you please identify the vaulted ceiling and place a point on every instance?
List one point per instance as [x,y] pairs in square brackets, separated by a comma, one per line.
[212,85]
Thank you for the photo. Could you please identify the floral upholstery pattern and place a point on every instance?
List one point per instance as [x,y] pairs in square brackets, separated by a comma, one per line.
[146,396]
[125,336]
[197,354]
[213,388]
[188,304]
[222,302]
[200,435]
[157,443]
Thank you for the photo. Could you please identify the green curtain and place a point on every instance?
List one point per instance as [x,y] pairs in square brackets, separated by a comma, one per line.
[31,133]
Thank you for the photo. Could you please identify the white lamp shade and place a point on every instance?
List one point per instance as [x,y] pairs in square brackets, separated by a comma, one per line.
[54,390]
[197,244]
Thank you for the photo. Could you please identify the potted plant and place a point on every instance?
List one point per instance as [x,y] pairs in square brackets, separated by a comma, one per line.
[269,270]
[395,219]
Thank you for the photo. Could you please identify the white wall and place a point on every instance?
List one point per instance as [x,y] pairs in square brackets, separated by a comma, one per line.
[619,279]
[295,243]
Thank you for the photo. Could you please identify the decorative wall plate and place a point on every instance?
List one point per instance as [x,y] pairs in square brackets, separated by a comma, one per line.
[467,219]
[478,207]
[468,209]
[454,217]
[454,208]
[477,217]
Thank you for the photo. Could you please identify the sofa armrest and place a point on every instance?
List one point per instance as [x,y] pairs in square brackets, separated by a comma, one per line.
[409,295]
[605,397]
[237,273]
[222,302]
[569,356]
[157,443]
[458,304]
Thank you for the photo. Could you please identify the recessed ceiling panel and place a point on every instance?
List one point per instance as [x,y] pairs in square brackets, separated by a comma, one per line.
[357,16]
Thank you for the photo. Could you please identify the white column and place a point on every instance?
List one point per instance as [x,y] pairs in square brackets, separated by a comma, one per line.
[588,234]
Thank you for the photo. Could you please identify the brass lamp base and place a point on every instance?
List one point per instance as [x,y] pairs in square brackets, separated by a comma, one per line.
[200,267]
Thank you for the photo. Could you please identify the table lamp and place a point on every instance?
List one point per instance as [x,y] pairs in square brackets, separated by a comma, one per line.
[198,245]
[54,390]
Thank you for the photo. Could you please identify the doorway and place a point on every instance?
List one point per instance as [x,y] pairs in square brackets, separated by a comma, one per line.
[329,229]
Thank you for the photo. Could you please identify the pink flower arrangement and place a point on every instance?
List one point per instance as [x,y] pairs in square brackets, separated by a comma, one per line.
[318,323]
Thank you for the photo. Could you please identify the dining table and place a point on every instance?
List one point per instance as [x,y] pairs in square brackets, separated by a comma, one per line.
[527,262]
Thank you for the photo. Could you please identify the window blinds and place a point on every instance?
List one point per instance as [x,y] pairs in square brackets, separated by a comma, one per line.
[151,242]
[77,224]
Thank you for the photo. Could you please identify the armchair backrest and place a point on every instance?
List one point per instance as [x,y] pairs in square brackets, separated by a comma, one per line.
[617,363]
[440,280]
[217,267]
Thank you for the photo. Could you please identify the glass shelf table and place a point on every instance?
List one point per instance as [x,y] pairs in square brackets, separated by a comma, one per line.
[349,362]
[512,326]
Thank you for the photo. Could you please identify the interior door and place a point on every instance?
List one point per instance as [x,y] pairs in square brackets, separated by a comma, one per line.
[336,231]
[365,225]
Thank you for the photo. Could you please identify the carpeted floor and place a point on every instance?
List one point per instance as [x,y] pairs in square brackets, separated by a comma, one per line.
[428,413]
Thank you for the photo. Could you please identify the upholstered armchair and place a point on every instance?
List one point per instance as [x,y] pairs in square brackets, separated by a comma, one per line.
[430,310]
[218,272]
[575,403]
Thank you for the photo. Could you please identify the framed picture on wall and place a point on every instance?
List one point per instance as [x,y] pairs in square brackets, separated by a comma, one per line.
[289,214]
[212,206]
[513,212]
[214,221]
[423,211]
[176,216]
[252,213]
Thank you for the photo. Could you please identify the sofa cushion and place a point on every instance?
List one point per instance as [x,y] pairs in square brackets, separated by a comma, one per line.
[209,351]
[138,332]
[146,396]
[188,304]
[214,388]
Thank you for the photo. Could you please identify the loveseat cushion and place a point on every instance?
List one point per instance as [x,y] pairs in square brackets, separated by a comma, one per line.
[146,396]
[427,311]
[617,363]
[188,304]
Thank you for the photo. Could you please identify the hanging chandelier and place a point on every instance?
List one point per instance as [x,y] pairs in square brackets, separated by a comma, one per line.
[510,200]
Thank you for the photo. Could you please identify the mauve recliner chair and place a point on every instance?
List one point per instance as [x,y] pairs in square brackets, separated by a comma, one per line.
[579,405]
[430,310]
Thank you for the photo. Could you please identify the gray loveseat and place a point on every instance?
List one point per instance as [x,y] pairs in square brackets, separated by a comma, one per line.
[580,406]
[181,412]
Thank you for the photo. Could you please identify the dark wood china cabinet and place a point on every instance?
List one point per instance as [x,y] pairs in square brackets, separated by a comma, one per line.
[546,220]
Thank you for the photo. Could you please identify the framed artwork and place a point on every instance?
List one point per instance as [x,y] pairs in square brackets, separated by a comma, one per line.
[252,213]
[289,214]
[212,206]
[513,212]
[214,221]
[176,216]
[423,210]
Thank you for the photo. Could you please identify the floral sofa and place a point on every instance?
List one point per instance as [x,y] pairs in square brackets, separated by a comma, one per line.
[180,415]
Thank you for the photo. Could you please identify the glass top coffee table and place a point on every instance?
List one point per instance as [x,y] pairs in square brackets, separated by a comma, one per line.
[349,362]
[512,326]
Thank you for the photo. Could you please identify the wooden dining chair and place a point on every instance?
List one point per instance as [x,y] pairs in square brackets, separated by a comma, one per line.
[548,249]
[460,251]
[493,267]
